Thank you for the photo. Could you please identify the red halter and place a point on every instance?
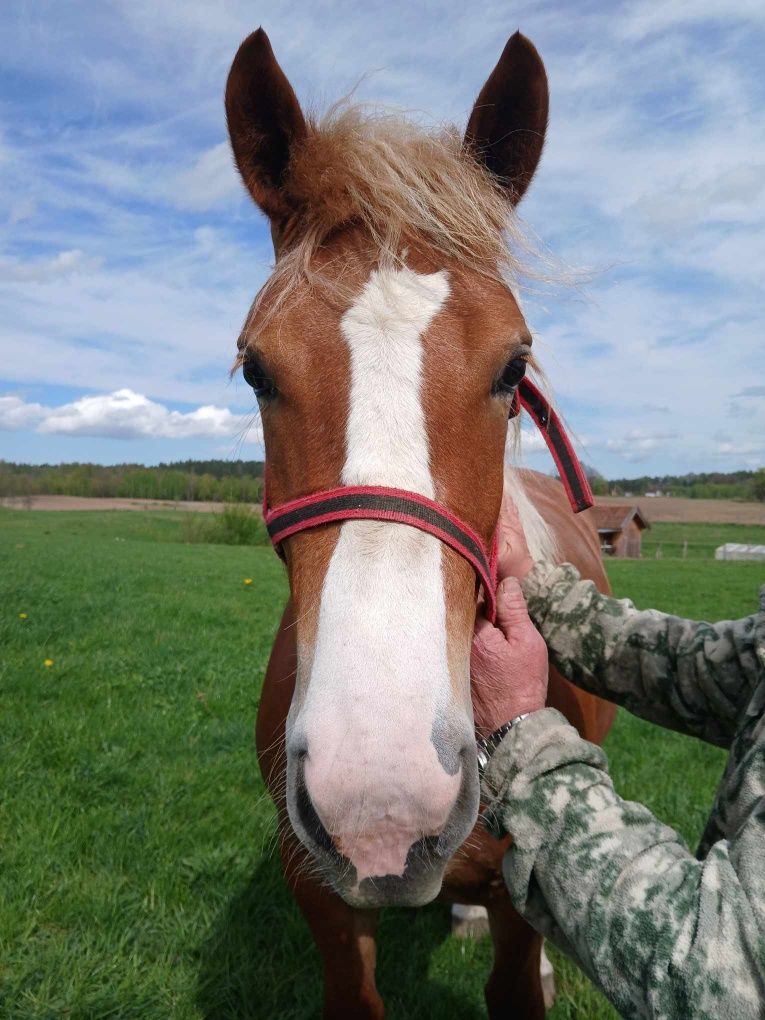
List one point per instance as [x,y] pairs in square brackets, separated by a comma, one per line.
[379,503]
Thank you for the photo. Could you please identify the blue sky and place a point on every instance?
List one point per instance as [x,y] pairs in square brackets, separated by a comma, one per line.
[129,253]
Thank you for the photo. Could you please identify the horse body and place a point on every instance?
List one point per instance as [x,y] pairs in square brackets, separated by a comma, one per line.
[386,351]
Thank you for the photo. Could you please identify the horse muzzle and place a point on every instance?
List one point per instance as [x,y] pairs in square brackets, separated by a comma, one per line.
[382,843]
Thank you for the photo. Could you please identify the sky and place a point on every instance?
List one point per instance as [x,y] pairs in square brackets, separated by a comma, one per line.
[130,253]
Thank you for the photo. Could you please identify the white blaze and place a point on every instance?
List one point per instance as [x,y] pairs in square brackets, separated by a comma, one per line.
[380,676]
[387,440]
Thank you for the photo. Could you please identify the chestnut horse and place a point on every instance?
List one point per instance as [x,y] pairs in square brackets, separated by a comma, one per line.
[385,350]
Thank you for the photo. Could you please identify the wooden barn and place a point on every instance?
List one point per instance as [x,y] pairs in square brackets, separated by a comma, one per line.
[620,527]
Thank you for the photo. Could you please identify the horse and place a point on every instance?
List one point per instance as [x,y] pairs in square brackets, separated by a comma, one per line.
[386,350]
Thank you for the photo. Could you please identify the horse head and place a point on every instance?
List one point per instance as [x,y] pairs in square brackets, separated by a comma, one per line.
[385,350]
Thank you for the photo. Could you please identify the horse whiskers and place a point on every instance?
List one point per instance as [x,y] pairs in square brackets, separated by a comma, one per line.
[468,846]
[277,745]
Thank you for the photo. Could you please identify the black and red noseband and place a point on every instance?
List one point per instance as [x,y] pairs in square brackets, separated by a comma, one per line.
[378,503]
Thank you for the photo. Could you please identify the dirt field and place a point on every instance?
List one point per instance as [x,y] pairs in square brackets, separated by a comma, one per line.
[104,503]
[693,511]
[659,508]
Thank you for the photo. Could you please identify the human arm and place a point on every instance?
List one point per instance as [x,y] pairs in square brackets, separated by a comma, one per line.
[690,676]
[661,933]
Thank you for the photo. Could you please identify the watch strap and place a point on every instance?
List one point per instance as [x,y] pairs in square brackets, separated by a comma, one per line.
[486,746]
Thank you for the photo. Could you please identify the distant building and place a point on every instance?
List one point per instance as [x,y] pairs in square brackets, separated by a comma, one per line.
[737,551]
[620,527]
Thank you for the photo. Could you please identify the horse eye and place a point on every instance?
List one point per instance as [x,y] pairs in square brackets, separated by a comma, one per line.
[256,376]
[511,376]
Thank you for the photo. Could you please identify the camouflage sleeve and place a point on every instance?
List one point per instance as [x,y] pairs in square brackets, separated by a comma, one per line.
[662,934]
[687,676]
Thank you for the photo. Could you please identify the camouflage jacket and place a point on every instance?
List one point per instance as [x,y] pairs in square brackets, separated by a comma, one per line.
[661,932]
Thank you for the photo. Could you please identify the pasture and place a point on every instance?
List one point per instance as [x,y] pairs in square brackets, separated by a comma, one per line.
[138,871]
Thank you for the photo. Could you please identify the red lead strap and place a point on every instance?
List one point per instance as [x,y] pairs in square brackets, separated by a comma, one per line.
[379,503]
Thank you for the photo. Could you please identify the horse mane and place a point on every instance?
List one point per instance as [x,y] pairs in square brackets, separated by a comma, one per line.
[540,538]
[401,183]
[398,179]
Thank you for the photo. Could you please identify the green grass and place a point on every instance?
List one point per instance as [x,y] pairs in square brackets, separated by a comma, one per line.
[697,541]
[138,877]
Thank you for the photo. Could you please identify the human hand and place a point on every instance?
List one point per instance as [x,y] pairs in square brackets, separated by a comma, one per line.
[508,663]
[513,557]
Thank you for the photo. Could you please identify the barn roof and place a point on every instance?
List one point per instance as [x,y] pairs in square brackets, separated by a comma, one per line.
[611,517]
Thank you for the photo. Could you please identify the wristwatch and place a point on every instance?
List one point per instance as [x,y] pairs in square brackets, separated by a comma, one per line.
[486,746]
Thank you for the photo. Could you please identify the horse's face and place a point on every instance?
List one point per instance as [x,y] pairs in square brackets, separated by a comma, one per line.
[400,377]
[399,389]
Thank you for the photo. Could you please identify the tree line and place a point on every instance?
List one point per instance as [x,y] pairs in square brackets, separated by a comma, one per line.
[745,485]
[215,480]
[241,481]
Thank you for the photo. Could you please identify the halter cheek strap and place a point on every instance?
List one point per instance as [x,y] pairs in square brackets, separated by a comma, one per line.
[379,503]
[549,424]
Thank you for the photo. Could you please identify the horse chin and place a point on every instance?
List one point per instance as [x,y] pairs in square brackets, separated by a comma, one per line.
[405,890]
[418,884]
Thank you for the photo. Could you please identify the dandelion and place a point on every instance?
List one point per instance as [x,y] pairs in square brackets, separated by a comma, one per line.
[23,616]
[48,663]
[248,580]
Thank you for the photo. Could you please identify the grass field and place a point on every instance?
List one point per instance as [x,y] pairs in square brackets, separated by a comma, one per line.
[138,877]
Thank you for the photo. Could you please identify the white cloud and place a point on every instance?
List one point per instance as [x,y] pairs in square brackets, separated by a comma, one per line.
[16,414]
[638,444]
[648,17]
[124,414]
[64,263]
[751,453]
[22,210]
[166,327]
[211,181]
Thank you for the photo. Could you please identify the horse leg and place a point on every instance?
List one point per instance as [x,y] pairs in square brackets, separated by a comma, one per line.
[547,973]
[514,988]
[345,938]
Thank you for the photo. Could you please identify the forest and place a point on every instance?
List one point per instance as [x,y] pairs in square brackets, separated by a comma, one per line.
[746,485]
[241,481]
[238,481]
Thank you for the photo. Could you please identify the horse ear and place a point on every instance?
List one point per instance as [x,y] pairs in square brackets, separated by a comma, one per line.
[506,130]
[264,123]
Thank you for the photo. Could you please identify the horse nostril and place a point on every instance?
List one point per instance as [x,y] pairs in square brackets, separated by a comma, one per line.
[307,812]
[297,749]
[454,744]
[469,754]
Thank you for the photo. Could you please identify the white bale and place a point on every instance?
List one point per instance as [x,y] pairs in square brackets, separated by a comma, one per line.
[739,551]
